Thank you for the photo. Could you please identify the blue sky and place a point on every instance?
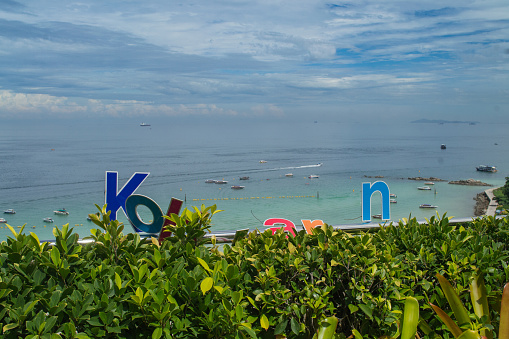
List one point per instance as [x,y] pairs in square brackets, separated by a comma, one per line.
[353,61]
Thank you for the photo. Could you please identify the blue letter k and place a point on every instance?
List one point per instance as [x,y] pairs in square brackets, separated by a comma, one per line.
[115,201]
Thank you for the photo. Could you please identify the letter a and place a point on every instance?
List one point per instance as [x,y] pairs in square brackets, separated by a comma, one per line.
[367,192]
[114,199]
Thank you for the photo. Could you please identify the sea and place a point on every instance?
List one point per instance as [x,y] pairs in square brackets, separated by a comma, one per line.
[51,165]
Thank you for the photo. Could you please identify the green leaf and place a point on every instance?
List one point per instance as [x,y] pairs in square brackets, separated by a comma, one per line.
[9,326]
[294,324]
[158,332]
[328,328]
[246,328]
[55,256]
[479,297]
[469,334]
[118,281]
[206,284]
[204,264]
[280,328]
[264,322]
[367,310]
[457,306]
[504,314]
[410,318]
[356,334]
[353,308]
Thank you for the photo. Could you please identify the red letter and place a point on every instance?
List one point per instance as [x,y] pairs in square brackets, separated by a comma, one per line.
[289,226]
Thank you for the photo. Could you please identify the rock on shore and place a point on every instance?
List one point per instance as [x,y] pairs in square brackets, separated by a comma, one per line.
[481,204]
[469,182]
[426,179]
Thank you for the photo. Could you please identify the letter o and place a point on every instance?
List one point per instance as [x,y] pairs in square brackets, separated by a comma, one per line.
[135,200]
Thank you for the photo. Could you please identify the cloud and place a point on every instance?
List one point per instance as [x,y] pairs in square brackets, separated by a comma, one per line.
[234,58]
[22,105]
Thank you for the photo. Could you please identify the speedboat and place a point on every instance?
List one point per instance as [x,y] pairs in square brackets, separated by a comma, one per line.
[393,201]
[263,161]
[392,195]
[220,182]
[289,175]
[237,187]
[429,183]
[10,211]
[61,211]
[483,168]
[210,181]
[424,188]
[313,176]
[443,146]
[244,178]
[377,216]
[144,124]
[2,221]
[427,206]
[47,220]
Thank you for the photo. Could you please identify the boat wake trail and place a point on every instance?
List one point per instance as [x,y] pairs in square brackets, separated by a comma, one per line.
[305,166]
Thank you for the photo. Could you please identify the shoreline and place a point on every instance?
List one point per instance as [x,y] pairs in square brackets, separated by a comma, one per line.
[485,203]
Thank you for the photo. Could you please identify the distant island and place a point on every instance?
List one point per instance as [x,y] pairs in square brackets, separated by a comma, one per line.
[427,121]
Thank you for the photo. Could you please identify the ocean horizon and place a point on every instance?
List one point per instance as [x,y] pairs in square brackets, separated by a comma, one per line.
[63,165]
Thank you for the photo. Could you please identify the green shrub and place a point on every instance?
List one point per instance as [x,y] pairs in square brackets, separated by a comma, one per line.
[123,286]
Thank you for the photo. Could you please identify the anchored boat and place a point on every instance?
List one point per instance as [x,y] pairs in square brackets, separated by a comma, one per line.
[61,211]
[484,168]
[427,206]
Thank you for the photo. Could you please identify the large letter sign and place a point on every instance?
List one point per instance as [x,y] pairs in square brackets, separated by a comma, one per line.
[114,199]
[367,192]
[129,202]
[132,202]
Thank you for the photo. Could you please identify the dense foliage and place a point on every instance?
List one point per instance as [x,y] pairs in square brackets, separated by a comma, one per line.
[502,195]
[121,286]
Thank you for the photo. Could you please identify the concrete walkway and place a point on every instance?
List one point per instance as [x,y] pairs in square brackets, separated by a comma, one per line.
[493,203]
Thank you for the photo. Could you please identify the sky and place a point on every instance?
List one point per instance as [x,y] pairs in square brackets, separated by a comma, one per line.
[352,61]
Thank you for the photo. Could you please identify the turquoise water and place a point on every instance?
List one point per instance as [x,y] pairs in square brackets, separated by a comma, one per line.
[63,164]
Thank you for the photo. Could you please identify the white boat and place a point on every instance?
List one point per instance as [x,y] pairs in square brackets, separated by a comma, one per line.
[313,176]
[484,168]
[10,211]
[289,175]
[47,220]
[377,216]
[263,161]
[237,187]
[144,124]
[2,221]
[393,201]
[427,206]
[220,182]
[424,188]
[61,211]
[210,181]
[429,183]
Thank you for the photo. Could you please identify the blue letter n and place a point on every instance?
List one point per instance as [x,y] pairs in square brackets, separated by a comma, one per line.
[367,192]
